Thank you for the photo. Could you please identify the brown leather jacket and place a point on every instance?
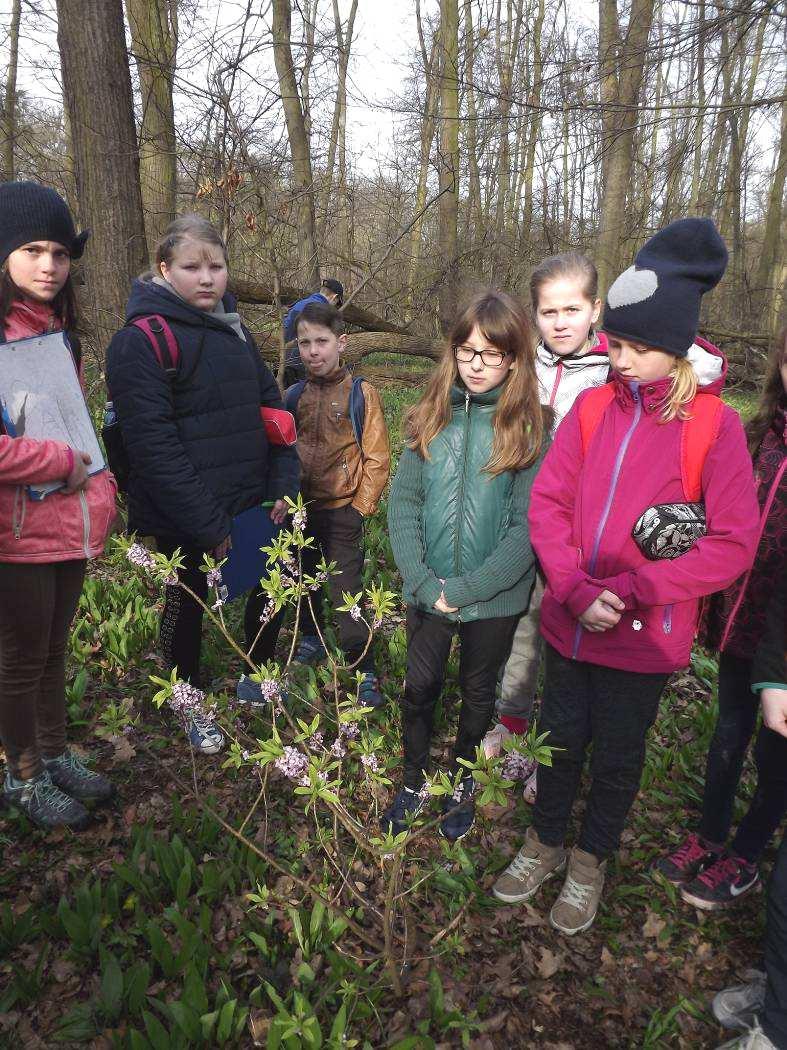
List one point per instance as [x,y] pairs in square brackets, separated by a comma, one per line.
[334,471]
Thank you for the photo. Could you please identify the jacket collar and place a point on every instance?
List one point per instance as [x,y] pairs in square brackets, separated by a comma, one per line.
[340,374]
[460,395]
[593,353]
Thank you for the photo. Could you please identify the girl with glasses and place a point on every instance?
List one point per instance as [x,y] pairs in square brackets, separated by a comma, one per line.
[457,517]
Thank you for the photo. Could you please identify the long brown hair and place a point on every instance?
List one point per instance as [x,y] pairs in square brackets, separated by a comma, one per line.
[772,393]
[518,422]
[63,304]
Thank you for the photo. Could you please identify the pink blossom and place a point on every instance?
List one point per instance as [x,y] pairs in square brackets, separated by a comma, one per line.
[370,763]
[293,764]
[141,557]
[517,767]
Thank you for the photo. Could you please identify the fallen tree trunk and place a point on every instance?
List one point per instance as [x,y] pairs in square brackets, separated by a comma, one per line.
[259,294]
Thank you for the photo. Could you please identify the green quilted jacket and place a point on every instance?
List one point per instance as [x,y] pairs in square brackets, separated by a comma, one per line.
[449,520]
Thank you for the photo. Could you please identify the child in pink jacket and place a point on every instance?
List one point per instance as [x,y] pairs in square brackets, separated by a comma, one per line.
[627,556]
[44,544]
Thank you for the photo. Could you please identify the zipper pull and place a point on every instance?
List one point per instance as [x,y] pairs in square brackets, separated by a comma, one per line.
[467,402]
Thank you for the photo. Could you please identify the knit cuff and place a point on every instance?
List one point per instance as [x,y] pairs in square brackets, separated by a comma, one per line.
[70,458]
[428,592]
[457,593]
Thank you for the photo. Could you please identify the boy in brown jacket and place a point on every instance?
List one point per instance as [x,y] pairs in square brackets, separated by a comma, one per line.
[345,462]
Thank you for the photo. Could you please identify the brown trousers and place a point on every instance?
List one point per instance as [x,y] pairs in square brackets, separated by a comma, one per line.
[37,605]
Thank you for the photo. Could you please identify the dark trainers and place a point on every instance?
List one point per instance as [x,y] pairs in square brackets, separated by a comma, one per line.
[402,812]
[458,810]
[71,775]
[44,803]
[738,1006]
[251,692]
[204,735]
[723,883]
[310,650]
[690,858]
[369,694]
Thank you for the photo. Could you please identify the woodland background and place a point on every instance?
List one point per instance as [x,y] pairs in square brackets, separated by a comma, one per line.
[522,127]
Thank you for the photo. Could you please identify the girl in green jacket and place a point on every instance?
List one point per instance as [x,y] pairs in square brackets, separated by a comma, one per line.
[457,517]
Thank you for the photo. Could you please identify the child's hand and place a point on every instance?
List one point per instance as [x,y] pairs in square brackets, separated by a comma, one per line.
[78,479]
[279,511]
[603,613]
[442,605]
[774,709]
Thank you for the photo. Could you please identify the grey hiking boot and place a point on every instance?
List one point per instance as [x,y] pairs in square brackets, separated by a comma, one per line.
[576,907]
[754,1039]
[737,1007]
[532,866]
[71,775]
[44,803]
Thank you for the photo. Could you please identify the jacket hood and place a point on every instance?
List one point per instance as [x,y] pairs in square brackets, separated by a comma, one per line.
[148,298]
[709,364]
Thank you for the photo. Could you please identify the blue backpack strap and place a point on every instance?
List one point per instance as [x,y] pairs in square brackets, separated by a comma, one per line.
[357,409]
[292,396]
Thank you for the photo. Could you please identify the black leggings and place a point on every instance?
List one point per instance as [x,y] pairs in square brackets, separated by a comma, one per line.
[738,709]
[484,645]
[585,703]
[181,621]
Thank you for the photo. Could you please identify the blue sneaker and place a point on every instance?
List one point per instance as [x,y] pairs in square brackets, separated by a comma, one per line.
[369,694]
[458,810]
[250,692]
[402,811]
[204,735]
[310,651]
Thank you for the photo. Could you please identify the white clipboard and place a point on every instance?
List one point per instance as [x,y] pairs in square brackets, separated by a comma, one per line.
[40,397]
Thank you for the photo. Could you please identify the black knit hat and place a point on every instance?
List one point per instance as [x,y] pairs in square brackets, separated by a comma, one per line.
[657,300]
[32,212]
[334,286]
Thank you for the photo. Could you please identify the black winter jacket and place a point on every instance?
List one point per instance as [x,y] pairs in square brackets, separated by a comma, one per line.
[196,445]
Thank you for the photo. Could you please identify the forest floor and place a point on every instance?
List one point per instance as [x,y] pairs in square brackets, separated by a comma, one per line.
[154,928]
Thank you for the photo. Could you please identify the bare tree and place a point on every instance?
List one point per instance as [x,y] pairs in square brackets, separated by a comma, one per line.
[8,124]
[97,89]
[154,41]
[448,159]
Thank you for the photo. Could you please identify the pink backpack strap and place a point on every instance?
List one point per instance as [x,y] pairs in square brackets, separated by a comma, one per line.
[698,433]
[161,338]
[591,408]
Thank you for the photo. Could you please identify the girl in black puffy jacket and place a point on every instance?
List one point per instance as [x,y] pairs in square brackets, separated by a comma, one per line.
[196,444]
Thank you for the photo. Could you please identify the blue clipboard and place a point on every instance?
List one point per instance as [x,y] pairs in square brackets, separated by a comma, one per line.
[246,565]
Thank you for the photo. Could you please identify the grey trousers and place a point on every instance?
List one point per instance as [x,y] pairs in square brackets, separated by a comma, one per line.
[520,674]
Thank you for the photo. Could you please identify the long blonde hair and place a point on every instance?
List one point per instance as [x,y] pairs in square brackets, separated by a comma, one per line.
[682,391]
[518,422]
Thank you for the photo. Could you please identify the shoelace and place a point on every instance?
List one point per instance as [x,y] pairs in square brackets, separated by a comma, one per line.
[575,893]
[73,764]
[690,851]
[522,865]
[44,791]
[205,725]
[723,868]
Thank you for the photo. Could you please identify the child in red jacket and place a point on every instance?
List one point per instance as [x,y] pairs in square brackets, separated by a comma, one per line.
[44,544]
[628,549]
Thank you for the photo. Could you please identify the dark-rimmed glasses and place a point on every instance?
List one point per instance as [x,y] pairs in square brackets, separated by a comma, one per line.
[491,358]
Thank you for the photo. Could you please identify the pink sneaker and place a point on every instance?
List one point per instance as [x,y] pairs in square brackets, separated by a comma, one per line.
[493,741]
[688,861]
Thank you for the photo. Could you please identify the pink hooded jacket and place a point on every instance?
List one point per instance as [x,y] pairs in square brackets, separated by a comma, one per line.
[582,512]
[60,527]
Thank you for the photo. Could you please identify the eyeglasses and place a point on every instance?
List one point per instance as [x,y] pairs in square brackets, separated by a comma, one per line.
[491,358]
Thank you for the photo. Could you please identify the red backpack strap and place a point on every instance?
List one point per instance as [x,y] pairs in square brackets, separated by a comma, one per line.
[161,338]
[697,434]
[591,408]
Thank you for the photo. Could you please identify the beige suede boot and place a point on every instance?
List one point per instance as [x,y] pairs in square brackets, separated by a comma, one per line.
[576,907]
[533,865]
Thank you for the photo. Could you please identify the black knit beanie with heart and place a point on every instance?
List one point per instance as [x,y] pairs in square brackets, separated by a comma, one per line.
[657,300]
[32,212]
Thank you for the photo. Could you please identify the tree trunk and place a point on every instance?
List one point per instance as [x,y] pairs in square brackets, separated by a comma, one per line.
[449,159]
[428,119]
[534,100]
[154,42]
[302,182]
[769,270]
[97,94]
[474,217]
[336,143]
[621,62]
[8,126]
